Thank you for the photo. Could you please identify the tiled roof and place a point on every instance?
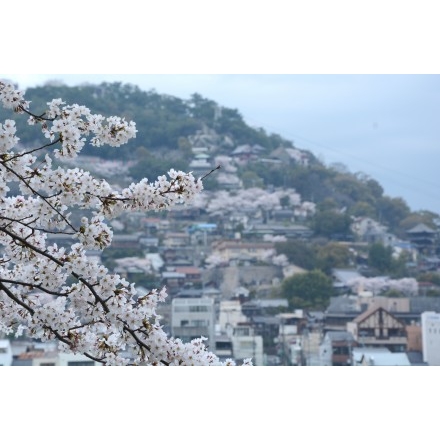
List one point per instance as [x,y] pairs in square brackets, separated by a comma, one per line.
[420,228]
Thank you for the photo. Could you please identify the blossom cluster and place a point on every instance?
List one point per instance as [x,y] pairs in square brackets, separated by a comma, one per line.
[58,293]
[378,285]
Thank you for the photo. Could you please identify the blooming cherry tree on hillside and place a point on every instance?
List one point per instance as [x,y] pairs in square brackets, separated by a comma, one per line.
[90,311]
[378,285]
[250,198]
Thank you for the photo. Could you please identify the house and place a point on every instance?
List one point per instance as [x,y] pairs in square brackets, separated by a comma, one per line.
[264,306]
[151,225]
[126,241]
[429,263]
[176,239]
[345,308]
[193,275]
[423,237]
[230,315]
[268,327]
[132,265]
[290,156]
[342,277]
[246,344]
[283,215]
[290,231]
[236,249]
[377,327]
[341,310]
[173,281]
[202,233]
[184,212]
[336,348]
[289,338]
[245,153]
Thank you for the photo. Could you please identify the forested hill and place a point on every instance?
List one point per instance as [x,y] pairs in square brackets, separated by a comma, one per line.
[161,120]
[170,127]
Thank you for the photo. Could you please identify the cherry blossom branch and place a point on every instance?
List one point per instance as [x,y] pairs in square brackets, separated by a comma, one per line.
[210,172]
[99,314]
[41,196]
[59,263]
[15,298]
[32,286]
[29,152]
[37,118]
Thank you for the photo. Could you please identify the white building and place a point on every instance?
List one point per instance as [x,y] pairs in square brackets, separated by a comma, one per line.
[289,336]
[230,316]
[5,352]
[245,344]
[431,338]
[193,317]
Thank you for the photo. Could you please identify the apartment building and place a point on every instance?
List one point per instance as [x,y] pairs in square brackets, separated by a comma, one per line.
[193,316]
[431,338]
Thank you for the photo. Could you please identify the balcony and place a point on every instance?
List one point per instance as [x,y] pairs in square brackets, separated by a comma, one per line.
[393,340]
[188,331]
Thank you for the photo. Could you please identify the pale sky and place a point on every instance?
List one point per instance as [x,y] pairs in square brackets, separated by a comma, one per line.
[373,103]
[386,126]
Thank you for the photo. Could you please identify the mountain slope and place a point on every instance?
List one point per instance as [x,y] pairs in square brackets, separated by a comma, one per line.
[196,134]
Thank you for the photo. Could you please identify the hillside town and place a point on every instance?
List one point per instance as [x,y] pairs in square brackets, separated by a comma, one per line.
[218,260]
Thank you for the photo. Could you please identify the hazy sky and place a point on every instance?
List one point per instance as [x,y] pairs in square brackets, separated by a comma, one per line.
[386,126]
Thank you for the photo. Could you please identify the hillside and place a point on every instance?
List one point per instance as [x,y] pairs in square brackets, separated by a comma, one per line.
[197,134]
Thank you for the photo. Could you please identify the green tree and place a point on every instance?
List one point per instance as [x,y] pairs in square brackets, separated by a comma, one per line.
[392,211]
[332,255]
[380,258]
[399,268]
[393,293]
[284,201]
[363,209]
[298,253]
[311,290]
[331,223]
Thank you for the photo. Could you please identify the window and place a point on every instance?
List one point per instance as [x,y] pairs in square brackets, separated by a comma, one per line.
[198,308]
[80,364]
[223,345]
[341,350]
[393,332]
[241,331]
[199,323]
[247,345]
